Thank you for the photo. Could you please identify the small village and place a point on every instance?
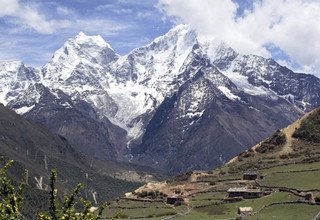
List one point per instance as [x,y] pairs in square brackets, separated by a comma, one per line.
[235,190]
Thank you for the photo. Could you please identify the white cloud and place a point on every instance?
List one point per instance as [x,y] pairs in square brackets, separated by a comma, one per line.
[100,26]
[64,10]
[291,25]
[25,16]
[8,7]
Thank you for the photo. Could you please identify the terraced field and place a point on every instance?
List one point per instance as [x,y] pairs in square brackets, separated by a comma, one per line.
[210,205]
[302,177]
[124,209]
[287,211]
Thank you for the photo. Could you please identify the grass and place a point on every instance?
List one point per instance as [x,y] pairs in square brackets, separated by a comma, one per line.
[292,167]
[210,178]
[206,205]
[137,209]
[301,180]
[203,199]
[287,211]
[229,210]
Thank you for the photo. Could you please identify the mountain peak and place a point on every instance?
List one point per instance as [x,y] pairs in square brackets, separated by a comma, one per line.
[177,32]
[81,38]
[82,49]
[11,66]
[180,27]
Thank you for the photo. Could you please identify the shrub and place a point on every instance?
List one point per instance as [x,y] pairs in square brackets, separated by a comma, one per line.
[142,194]
[275,142]
[310,128]
[12,200]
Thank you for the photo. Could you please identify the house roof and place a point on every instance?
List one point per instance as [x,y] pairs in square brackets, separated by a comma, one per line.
[245,209]
[171,197]
[243,189]
[251,173]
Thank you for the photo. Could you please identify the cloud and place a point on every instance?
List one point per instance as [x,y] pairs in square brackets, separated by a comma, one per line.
[28,17]
[61,10]
[8,7]
[35,29]
[100,26]
[291,25]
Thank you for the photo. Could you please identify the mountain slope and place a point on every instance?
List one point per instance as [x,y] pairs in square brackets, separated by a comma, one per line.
[34,148]
[297,143]
[208,120]
[178,96]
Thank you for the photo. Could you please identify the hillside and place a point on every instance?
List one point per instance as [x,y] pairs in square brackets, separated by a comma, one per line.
[34,148]
[297,143]
[276,179]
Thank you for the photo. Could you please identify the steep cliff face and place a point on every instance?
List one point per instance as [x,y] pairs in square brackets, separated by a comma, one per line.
[178,103]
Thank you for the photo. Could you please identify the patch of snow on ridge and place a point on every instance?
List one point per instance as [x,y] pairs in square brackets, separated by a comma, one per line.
[228,93]
[10,66]
[133,100]
[23,109]
[243,84]
[3,95]
[195,114]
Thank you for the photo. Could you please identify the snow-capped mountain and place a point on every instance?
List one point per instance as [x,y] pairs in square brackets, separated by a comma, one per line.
[179,96]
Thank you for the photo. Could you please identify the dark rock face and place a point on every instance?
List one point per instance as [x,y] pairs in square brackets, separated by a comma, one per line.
[78,122]
[219,128]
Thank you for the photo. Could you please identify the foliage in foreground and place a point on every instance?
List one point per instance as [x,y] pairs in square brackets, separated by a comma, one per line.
[11,200]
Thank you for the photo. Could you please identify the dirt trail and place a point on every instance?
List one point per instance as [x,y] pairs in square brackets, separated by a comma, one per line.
[288,131]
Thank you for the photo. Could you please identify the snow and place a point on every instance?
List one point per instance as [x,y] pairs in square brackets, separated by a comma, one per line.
[11,66]
[228,93]
[82,38]
[132,106]
[3,94]
[289,97]
[124,88]
[242,84]
[195,114]
[24,109]
[216,50]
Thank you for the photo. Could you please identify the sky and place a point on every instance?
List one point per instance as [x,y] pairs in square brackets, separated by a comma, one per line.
[286,30]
